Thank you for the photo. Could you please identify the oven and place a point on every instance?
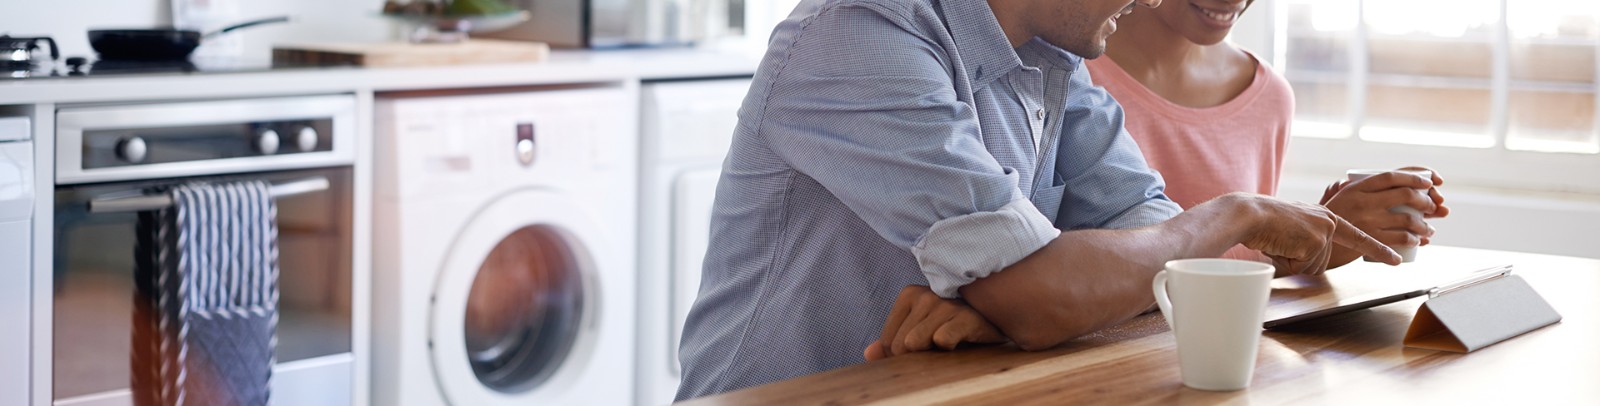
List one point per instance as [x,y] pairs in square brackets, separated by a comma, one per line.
[111,159]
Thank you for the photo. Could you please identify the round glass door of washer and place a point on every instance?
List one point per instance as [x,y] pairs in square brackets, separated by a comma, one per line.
[523,311]
[519,319]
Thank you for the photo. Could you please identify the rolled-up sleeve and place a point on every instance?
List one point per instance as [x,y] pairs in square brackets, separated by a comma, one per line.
[896,145]
[1109,185]
[998,238]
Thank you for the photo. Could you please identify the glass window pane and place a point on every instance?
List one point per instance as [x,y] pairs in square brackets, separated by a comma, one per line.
[1429,79]
[1552,100]
[1467,19]
[1430,56]
[1552,121]
[1322,110]
[1428,115]
[1553,19]
[1553,62]
[1319,37]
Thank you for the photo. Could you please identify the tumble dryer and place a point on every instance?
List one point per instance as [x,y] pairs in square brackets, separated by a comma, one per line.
[504,249]
[687,128]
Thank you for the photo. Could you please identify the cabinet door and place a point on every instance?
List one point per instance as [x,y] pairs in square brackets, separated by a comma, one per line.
[693,193]
[16,270]
[14,311]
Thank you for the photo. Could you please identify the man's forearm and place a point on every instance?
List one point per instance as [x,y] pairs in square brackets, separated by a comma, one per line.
[1090,279]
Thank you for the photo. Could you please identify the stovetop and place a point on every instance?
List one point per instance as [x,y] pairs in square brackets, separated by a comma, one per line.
[112,68]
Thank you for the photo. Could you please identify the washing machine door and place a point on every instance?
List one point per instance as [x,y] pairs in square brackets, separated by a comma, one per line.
[515,308]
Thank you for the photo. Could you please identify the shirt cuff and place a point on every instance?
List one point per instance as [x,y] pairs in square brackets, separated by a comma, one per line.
[959,250]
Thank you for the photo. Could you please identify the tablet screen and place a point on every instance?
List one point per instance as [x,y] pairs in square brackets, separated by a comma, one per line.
[1366,301]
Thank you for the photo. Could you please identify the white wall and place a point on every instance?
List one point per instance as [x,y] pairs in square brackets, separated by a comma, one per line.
[68,21]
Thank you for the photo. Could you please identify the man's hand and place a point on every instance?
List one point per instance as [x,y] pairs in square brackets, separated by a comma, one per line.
[1300,237]
[1366,204]
[922,320]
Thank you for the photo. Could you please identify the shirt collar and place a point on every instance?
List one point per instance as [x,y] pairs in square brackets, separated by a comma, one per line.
[985,52]
[1038,53]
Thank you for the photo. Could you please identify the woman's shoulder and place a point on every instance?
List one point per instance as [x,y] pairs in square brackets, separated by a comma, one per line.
[1264,69]
[1269,83]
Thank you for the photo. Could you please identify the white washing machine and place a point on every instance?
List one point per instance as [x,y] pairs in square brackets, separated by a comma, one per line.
[504,248]
[687,128]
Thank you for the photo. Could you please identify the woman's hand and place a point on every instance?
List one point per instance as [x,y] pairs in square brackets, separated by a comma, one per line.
[1365,203]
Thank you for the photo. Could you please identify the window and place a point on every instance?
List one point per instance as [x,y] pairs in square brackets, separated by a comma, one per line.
[1456,84]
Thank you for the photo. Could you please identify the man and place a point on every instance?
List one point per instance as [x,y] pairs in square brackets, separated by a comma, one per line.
[946,143]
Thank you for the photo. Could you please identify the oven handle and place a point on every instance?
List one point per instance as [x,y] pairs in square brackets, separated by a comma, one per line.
[161,201]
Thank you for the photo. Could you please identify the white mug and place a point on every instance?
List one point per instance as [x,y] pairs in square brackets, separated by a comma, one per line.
[1407,254]
[1214,307]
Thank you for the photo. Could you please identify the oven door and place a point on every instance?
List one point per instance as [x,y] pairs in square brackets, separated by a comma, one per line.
[94,290]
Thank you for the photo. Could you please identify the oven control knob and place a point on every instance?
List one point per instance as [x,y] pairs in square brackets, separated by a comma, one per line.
[131,149]
[306,139]
[267,142]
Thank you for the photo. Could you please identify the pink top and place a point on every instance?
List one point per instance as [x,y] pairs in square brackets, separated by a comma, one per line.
[1207,152]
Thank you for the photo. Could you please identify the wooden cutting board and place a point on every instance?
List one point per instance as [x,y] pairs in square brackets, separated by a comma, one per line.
[379,54]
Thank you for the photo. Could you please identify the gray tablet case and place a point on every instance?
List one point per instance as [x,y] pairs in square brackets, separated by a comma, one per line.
[1478,315]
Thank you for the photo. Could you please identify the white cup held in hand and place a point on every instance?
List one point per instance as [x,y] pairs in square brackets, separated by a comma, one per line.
[1407,254]
[1215,308]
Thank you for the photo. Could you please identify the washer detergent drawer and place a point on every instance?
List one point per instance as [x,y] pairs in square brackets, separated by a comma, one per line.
[693,193]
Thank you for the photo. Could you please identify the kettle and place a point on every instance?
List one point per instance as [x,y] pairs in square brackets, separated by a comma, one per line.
[17,52]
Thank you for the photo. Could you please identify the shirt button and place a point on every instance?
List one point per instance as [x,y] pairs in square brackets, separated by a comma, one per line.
[1039,113]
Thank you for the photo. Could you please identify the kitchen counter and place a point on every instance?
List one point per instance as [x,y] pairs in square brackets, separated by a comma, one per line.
[1354,358]
[564,66]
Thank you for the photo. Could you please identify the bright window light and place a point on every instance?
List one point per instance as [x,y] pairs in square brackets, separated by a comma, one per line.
[1519,75]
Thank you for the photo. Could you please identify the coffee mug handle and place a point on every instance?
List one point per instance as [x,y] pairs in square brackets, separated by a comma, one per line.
[1159,286]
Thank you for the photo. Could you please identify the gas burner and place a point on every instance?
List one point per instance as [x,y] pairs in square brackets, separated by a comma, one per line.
[22,57]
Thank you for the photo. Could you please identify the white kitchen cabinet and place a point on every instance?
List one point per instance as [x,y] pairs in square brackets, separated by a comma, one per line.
[686,129]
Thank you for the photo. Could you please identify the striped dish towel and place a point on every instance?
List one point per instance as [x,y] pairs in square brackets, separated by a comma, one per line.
[206,306]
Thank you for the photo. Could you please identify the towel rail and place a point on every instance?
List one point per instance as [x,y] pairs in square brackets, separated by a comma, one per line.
[161,201]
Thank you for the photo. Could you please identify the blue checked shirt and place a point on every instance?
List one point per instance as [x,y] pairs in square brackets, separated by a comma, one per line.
[887,143]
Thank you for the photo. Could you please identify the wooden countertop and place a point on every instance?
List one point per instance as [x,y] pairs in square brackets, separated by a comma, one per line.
[1353,358]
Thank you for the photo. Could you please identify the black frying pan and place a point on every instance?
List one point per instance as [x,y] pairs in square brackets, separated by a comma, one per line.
[157,44]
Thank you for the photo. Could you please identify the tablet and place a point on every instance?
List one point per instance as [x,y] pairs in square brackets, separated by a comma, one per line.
[1383,298]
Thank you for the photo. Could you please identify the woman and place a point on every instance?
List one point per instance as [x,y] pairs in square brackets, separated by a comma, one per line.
[1213,119]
